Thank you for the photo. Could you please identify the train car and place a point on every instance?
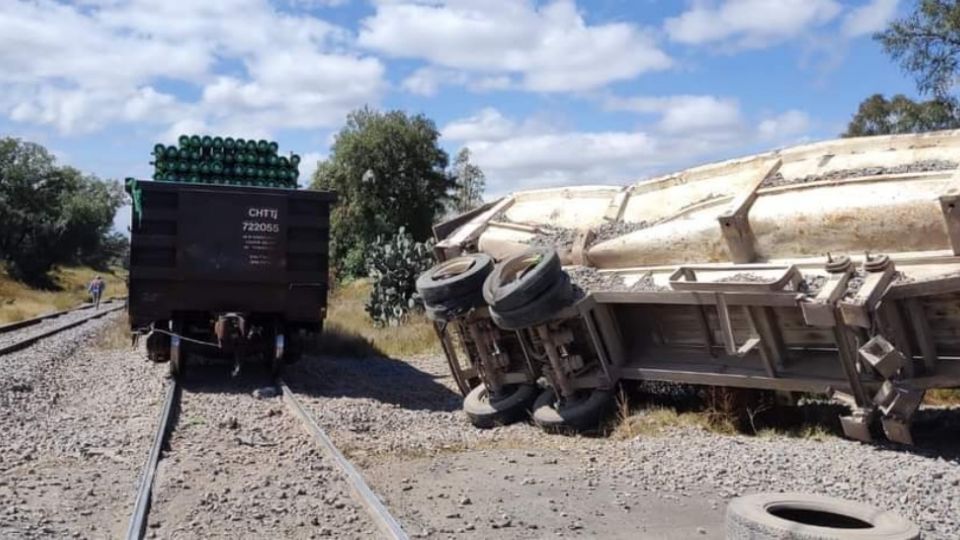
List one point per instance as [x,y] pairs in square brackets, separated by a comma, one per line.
[230,270]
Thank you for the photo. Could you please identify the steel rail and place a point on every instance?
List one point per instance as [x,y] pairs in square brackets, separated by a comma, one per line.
[30,340]
[141,508]
[362,493]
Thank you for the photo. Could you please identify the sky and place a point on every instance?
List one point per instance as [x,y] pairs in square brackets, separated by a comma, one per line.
[546,93]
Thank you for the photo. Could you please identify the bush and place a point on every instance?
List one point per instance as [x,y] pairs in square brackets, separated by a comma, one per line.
[393,265]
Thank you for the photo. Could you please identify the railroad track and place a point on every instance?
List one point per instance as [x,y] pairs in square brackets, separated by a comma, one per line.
[21,334]
[361,493]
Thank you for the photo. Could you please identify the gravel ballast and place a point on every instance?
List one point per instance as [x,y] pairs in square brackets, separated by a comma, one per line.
[77,423]
[240,462]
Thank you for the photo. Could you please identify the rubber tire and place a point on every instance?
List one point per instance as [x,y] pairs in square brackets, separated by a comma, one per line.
[510,296]
[451,309]
[538,311]
[438,291]
[486,414]
[748,517]
[583,415]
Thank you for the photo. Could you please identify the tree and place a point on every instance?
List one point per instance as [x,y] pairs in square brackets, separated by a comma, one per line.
[470,183]
[879,116]
[389,172]
[927,44]
[49,214]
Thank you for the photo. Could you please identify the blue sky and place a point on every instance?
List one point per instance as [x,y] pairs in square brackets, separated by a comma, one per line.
[543,93]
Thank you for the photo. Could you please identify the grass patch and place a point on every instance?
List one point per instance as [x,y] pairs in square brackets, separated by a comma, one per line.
[348,330]
[116,336]
[18,301]
[725,411]
[942,396]
[631,422]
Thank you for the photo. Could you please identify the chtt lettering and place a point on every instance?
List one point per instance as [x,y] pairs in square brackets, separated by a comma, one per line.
[271,213]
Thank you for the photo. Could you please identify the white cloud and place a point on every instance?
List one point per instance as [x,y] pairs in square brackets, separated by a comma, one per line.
[683,114]
[487,125]
[308,166]
[788,124]
[749,23]
[871,17]
[79,69]
[524,155]
[550,47]
[427,81]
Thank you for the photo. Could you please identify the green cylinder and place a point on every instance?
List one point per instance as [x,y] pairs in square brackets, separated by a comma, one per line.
[216,167]
[217,142]
[184,141]
[158,149]
[263,146]
[251,147]
[170,152]
[195,141]
[206,141]
[204,168]
[229,144]
[294,160]
[273,147]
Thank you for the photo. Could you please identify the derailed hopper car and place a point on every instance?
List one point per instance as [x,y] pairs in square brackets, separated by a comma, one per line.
[236,271]
[831,268]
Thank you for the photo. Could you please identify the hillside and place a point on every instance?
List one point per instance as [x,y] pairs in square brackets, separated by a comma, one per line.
[18,301]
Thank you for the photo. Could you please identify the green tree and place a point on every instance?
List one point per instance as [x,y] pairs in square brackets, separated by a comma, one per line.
[900,114]
[470,184]
[389,172]
[49,214]
[927,45]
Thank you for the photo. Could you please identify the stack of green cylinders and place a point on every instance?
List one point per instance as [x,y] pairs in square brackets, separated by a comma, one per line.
[202,159]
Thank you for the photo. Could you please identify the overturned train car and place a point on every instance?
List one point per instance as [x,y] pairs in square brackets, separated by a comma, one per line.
[831,268]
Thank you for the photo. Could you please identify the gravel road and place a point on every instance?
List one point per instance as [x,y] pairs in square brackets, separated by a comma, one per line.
[77,423]
[242,463]
[400,421]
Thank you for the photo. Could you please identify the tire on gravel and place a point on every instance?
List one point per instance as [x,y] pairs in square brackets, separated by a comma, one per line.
[768,516]
[455,278]
[519,279]
[539,310]
[513,404]
[580,415]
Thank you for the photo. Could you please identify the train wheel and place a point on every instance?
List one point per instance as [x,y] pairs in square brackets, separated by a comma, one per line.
[177,355]
[279,351]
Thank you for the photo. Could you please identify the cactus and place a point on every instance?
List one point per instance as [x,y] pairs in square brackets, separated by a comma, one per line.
[394,264]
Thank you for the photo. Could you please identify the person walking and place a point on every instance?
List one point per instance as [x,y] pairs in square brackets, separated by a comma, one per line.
[96,289]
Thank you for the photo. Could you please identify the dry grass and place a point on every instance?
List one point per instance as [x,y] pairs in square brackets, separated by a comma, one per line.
[633,422]
[719,413]
[116,336]
[942,396]
[18,301]
[349,331]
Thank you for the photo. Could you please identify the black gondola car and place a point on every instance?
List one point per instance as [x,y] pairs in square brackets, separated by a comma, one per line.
[243,270]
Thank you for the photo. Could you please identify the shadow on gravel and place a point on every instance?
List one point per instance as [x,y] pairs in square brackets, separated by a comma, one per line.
[382,379]
[215,377]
